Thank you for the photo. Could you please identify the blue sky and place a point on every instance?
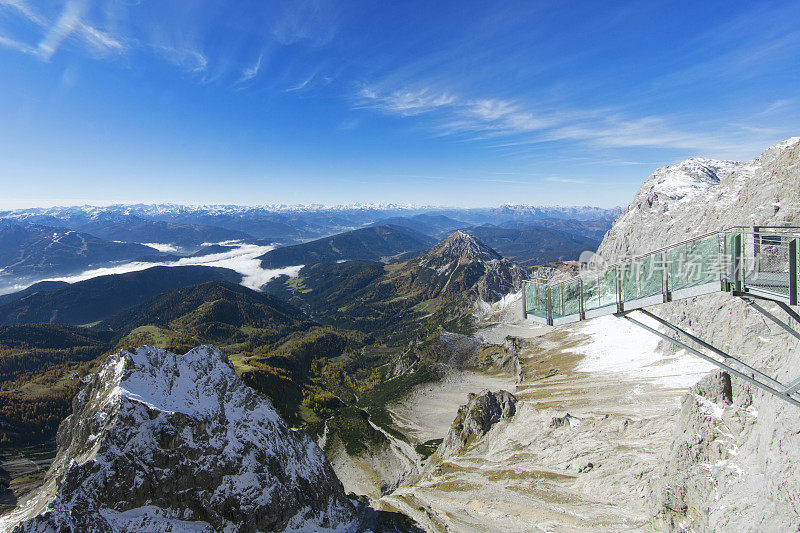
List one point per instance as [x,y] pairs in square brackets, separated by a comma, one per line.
[433,103]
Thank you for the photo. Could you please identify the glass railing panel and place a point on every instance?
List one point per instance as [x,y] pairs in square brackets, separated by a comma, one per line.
[631,276]
[556,300]
[642,278]
[572,297]
[608,288]
[652,275]
[695,263]
[591,292]
[536,299]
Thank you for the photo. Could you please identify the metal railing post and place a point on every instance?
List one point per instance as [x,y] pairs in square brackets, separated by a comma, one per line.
[736,262]
[793,272]
[548,297]
[665,277]
[525,300]
[722,254]
[756,241]
[581,306]
[620,274]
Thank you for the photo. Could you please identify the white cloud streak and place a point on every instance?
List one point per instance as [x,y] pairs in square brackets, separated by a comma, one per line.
[67,23]
[70,24]
[16,45]
[482,118]
[406,102]
[252,71]
[186,59]
[574,181]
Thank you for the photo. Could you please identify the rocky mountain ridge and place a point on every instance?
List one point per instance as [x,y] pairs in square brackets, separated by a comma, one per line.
[702,195]
[722,449]
[462,264]
[28,250]
[159,441]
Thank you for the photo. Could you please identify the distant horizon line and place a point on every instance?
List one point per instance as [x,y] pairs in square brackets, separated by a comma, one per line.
[313,206]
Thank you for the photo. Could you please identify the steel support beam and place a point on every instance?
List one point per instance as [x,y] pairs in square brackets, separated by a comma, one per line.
[793,387]
[782,394]
[775,319]
[789,311]
[728,358]
[793,272]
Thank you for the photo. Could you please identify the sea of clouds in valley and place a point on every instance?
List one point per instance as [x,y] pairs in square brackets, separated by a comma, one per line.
[242,258]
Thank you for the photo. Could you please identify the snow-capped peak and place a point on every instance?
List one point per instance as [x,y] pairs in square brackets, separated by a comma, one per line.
[702,195]
[689,177]
[164,442]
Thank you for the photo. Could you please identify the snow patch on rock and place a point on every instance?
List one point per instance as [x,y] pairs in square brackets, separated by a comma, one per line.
[167,442]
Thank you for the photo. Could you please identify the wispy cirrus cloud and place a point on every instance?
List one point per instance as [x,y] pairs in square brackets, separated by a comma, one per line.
[305,83]
[180,34]
[252,71]
[519,125]
[69,24]
[573,181]
[406,102]
[187,59]
[13,44]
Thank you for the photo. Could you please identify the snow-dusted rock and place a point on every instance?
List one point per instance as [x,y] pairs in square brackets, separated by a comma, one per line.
[702,195]
[735,456]
[165,442]
[475,419]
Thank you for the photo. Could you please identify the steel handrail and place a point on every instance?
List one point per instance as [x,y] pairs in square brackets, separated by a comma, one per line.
[748,229]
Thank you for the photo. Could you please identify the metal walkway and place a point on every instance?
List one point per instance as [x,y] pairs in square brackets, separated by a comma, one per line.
[759,262]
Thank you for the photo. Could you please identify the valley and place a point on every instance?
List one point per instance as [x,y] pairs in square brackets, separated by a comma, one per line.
[407,362]
[399,267]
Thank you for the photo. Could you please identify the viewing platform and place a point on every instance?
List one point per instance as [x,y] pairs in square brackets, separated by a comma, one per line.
[753,263]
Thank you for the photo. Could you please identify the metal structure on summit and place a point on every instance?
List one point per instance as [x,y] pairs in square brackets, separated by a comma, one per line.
[753,263]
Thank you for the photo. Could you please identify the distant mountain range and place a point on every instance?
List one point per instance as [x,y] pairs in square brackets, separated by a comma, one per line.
[434,225]
[136,229]
[534,245]
[98,298]
[371,244]
[30,250]
[594,229]
[279,223]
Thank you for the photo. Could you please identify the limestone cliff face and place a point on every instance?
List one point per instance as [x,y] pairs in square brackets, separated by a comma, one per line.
[702,195]
[165,442]
[474,420]
[738,462]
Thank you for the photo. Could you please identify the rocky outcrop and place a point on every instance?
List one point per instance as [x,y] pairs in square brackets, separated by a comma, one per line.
[701,457]
[474,419]
[167,442]
[727,441]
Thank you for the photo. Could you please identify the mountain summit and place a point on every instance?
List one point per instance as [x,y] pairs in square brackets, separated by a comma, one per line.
[461,264]
[458,249]
[702,195]
[165,442]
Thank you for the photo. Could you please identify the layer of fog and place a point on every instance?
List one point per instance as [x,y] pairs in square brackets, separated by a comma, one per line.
[242,258]
[162,247]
